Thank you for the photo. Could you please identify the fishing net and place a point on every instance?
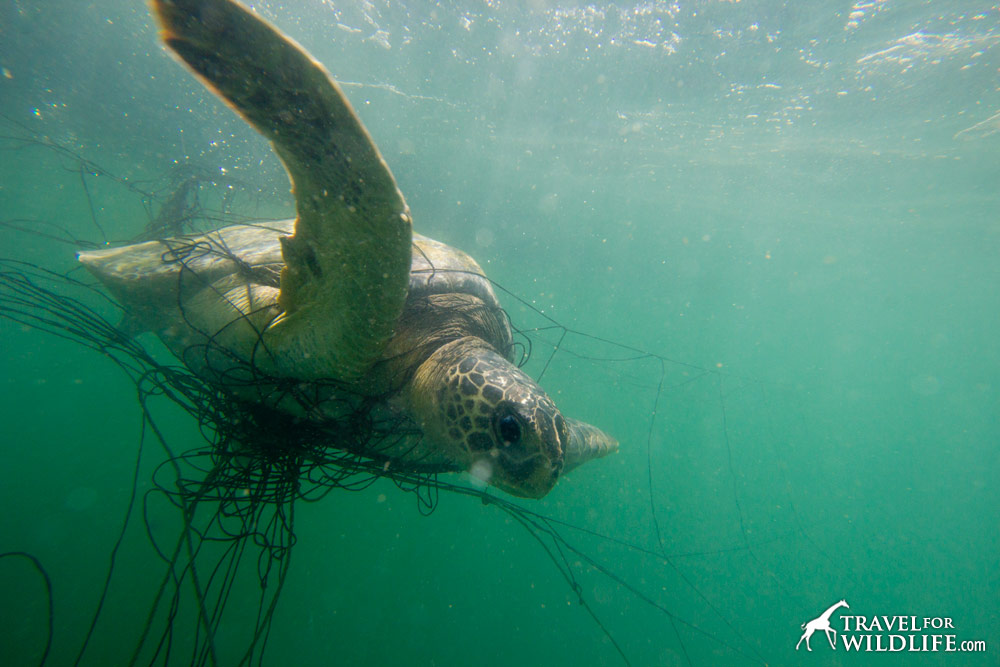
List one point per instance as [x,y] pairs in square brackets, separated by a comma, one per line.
[234,492]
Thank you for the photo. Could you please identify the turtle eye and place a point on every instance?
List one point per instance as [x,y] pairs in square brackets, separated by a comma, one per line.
[509,430]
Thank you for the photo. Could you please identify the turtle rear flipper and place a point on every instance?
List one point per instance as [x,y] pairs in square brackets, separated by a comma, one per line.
[348,263]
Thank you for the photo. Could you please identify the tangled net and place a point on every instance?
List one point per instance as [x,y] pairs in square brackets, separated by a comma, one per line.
[236,492]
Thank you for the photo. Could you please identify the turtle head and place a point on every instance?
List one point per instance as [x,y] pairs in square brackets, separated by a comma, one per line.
[496,422]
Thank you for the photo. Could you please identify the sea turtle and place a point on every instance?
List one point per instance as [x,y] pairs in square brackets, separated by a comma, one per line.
[343,308]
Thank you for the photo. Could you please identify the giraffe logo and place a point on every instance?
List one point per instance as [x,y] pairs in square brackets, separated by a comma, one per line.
[822,622]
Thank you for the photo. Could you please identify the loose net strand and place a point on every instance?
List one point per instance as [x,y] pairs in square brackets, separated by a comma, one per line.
[49,598]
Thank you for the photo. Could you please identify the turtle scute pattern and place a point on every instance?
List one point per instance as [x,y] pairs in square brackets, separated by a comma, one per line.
[484,388]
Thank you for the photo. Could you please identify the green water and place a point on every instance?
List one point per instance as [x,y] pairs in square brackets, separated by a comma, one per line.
[795,204]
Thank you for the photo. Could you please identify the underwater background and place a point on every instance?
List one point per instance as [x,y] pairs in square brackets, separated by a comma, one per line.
[791,207]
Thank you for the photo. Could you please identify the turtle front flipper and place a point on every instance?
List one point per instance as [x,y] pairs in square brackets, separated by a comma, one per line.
[347,266]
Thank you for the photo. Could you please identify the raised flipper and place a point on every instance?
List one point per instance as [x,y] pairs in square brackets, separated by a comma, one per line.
[347,266]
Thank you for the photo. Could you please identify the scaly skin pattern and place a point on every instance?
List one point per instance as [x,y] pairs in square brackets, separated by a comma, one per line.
[463,395]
